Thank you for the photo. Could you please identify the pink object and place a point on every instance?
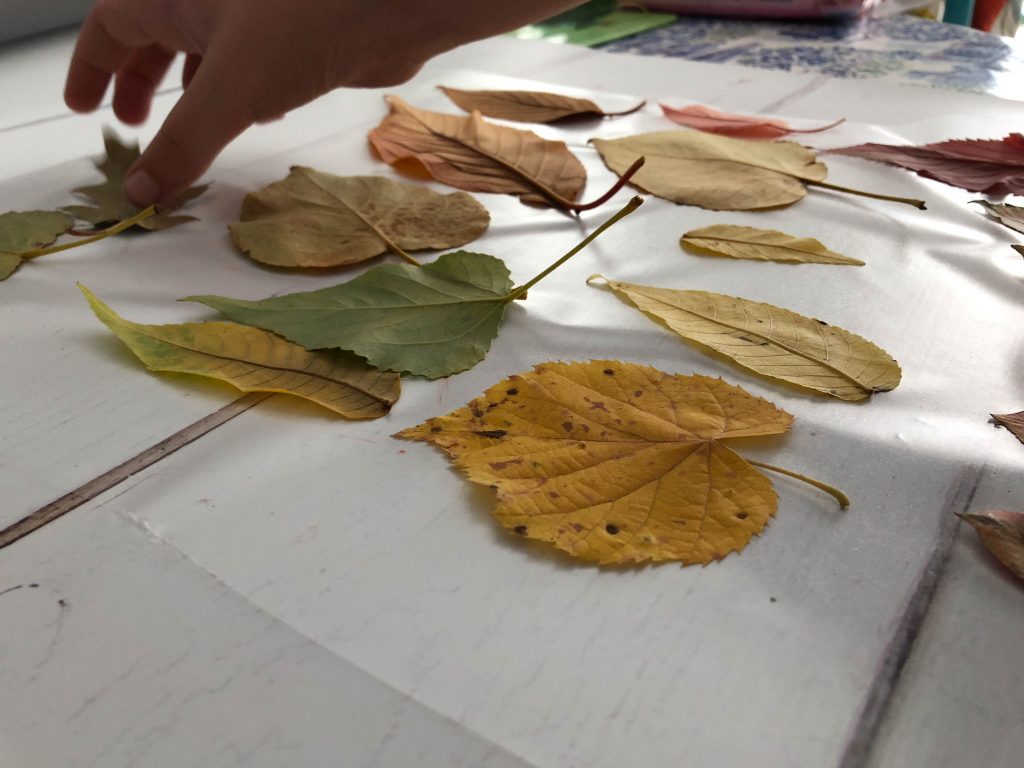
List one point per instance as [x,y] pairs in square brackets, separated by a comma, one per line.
[766,9]
[739,126]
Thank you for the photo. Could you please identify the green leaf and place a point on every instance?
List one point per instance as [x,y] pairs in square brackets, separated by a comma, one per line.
[109,203]
[21,232]
[432,321]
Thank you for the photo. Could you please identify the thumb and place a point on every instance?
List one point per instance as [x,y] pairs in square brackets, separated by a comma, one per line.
[207,117]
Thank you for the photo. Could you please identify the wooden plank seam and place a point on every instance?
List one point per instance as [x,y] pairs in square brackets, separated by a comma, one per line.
[103,483]
[864,733]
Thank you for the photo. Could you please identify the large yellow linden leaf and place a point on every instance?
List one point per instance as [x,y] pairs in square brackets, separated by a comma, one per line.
[615,462]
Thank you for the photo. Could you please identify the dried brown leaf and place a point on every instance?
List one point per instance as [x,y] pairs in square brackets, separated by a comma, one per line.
[472,154]
[315,219]
[528,106]
[1002,532]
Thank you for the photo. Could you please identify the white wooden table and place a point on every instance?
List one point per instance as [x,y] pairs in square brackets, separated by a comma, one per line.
[289,589]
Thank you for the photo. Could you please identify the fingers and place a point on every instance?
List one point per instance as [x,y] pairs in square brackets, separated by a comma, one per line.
[137,81]
[98,55]
[211,112]
[192,62]
[116,36]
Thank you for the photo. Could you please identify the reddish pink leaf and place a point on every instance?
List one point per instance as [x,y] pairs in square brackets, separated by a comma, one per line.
[1012,421]
[740,126]
[993,166]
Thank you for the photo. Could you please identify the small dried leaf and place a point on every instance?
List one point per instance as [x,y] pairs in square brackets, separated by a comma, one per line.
[23,231]
[472,154]
[1012,421]
[992,166]
[314,219]
[1002,532]
[257,361]
[528,106]
[109,203]
[770,340]
[762,245]
[715,172]
[1010,215]
[739,126]
[614,462]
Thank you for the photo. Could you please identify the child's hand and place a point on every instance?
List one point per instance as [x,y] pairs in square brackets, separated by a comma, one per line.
[254,60]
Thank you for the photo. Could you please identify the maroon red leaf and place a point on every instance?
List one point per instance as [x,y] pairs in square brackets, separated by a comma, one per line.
[739,126]
[993,166]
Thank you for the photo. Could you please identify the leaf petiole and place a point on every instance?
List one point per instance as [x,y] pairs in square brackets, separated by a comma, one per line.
[919,204]
[842,498]
[119,227]
[521,290]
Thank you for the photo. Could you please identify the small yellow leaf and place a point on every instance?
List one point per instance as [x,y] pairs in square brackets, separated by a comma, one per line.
[257,361]
[762,245]
[614,462]
[1002,532]
[771,340]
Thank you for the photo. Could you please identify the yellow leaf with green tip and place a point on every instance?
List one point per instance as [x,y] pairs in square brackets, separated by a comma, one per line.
[257,361]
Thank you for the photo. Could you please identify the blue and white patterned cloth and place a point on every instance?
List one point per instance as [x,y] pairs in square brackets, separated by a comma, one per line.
[902,49]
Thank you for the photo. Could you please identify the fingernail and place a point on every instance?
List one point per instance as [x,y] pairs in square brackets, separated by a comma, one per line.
[141,189]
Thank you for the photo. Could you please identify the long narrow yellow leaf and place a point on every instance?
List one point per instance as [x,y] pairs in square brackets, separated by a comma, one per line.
[762,245]
[257,361]
[770,340]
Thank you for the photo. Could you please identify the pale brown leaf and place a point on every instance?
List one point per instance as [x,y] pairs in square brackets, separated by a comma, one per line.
[315,219]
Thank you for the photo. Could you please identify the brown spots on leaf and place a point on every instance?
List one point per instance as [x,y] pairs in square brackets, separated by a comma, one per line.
[497,466]
[512,392]
[741,515]
[608,372]
[638,393]
[577,527]
[435,429]
[477,413]
[554,494]
[612,528]
[495,434]
[520,530]
[567,426]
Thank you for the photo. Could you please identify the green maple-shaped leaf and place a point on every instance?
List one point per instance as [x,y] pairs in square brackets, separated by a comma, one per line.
[21,232]
[433,320]
[109,203]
